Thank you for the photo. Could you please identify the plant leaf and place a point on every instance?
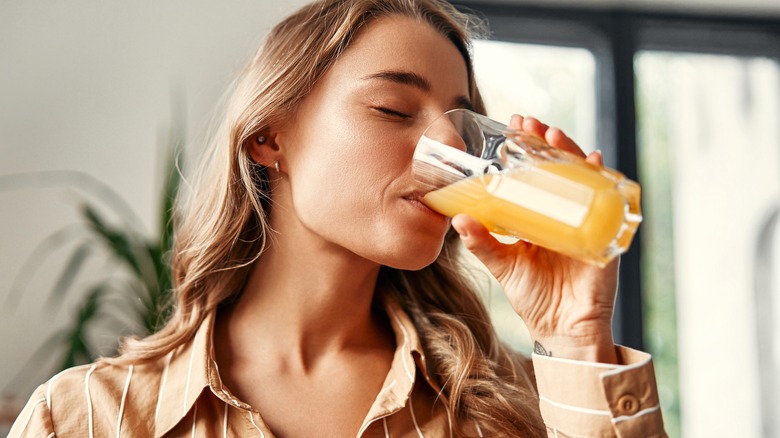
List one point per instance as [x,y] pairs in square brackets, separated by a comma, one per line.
[77,348]
[31,265]
[118,242]
[171,188]
[130,248]
[69,273]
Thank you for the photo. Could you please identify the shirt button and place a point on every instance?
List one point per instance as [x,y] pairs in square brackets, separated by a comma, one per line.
[628,405]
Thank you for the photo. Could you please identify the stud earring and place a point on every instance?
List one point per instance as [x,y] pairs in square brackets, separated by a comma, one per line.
[261,139]
[276,166]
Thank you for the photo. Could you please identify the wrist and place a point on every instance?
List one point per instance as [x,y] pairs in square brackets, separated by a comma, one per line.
[591,349]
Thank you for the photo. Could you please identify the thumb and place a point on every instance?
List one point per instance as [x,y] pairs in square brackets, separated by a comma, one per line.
[477,239]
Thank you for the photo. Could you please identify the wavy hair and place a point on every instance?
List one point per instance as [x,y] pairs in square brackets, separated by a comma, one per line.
[222,226]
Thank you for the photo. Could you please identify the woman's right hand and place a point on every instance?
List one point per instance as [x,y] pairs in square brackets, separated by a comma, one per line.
[566,304]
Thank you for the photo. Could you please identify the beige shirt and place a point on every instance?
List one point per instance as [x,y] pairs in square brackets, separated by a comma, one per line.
[181,395]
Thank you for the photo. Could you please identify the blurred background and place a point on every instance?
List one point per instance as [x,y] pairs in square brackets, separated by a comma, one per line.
[683,96]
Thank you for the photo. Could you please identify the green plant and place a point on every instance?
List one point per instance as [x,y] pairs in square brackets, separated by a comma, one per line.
[136,294]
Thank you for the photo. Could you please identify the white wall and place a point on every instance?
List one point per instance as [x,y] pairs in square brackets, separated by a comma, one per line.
[88,86]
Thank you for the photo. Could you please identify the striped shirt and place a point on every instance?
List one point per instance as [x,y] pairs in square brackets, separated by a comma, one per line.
[182,395]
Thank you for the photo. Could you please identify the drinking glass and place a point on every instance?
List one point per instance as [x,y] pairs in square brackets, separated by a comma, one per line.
[517,185]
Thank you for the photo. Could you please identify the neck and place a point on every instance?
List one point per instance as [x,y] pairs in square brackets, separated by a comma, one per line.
[302,302]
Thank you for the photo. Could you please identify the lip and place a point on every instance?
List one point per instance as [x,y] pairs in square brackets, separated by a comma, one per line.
[414,199]
[415,195]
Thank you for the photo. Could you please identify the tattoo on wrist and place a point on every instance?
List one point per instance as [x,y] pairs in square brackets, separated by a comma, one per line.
[540,350]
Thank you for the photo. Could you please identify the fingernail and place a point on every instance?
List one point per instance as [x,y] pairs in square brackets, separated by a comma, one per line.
[462,233]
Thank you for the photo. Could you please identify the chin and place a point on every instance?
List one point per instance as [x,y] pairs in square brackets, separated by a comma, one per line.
[409,265]
[414,256]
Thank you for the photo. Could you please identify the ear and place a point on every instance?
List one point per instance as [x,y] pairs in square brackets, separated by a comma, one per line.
[263,148]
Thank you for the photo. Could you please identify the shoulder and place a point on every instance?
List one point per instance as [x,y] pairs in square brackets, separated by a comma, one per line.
[95,396]
[103,377]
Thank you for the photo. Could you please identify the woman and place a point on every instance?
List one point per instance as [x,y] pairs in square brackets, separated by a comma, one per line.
[316,295]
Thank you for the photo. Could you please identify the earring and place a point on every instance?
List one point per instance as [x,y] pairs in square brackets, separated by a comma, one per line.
[261,139]
[276,166]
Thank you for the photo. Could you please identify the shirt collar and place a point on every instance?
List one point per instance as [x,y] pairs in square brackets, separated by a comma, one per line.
[407,360]
[185,373]
[189,369]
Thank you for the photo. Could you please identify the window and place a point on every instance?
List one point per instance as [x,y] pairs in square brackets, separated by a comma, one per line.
[554,84]
[710,154]
[689,106]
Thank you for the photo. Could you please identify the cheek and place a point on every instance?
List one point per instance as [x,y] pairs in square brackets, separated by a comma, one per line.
[352,161]
[339,186]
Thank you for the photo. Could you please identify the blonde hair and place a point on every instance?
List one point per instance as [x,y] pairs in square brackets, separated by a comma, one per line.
[224,225]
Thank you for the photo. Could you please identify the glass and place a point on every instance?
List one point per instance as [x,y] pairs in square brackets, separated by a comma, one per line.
[517,185]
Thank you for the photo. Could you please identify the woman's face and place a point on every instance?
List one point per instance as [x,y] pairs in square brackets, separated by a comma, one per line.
[347,150]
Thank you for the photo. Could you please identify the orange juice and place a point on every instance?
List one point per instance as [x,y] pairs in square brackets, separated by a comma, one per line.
[573,208]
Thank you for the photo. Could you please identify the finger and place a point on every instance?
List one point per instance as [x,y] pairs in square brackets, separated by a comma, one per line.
[596,158]
[534,126]
[516,122]
[477,239]
[557,139]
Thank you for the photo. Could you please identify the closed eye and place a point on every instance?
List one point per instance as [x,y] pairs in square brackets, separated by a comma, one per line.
[392,112]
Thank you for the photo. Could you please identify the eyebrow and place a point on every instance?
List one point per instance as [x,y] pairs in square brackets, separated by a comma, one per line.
[403,78]
[414,80]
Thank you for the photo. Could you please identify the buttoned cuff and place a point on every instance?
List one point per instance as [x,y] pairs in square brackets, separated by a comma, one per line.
[583,399]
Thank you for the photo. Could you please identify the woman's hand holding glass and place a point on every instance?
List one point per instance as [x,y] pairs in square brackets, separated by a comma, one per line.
[566,304]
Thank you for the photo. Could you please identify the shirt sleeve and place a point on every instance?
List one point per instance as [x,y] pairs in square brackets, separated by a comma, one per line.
[35,418]
[584,399]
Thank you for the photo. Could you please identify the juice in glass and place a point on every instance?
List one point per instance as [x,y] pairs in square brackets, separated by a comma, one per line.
[571,208]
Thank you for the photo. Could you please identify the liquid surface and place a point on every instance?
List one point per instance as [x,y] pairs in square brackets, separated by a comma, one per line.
[571,208]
